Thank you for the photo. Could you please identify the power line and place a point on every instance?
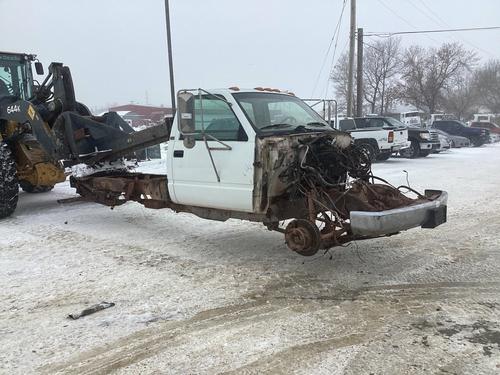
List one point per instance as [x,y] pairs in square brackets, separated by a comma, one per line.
[436,15]
[335,33]
[401,18]
[391,33]
[332,65]
[430,14]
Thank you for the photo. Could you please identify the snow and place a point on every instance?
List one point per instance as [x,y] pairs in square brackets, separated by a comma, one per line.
[82,170]
[197,296]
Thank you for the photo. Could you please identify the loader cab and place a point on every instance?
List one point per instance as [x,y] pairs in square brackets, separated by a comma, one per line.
[16,77]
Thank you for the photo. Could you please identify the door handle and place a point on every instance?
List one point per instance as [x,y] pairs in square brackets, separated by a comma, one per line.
[178,153]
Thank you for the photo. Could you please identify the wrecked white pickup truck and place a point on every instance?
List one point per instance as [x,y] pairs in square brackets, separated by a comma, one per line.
[266,156]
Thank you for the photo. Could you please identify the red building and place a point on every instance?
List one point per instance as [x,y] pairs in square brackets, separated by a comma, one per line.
[142,115]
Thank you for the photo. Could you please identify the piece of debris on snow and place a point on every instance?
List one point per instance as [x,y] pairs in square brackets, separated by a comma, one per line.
[91,310]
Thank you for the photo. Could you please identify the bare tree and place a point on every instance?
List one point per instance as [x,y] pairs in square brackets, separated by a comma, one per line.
[382,63]
[381,66]
[460,97]
[428,72]
[487,82]
[339,77]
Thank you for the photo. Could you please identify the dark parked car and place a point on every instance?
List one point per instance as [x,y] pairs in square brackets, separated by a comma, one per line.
[477,136]
[456,140]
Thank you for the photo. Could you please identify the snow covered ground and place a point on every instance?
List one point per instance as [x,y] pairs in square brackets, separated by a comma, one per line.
[195,296]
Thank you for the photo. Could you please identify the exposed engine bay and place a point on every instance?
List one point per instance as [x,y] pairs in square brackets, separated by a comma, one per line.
[323,180]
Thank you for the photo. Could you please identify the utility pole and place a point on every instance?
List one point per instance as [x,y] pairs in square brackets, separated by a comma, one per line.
[170,60]
[359,75]
[352,46]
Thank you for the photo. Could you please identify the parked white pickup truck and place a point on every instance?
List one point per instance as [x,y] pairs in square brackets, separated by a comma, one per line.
[376,135]
[265,156]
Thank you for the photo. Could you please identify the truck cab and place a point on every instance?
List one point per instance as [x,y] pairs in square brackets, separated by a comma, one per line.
[217,170]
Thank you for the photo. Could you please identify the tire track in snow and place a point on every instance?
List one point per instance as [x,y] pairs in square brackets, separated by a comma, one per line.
[272,304]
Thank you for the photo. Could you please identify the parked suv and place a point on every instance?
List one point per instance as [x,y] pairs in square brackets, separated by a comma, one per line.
[477,136]
[378,136]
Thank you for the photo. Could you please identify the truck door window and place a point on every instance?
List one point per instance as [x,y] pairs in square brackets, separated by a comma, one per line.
[443,125]
[218,120]
[347,124]
[376,123]
[362,123]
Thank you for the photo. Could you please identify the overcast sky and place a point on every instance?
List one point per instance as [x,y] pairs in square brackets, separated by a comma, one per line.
[117,49]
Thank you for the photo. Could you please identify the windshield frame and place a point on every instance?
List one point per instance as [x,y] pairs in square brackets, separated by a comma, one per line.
[292,129]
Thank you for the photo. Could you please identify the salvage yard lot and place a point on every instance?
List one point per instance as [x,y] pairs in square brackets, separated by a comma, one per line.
[195,296]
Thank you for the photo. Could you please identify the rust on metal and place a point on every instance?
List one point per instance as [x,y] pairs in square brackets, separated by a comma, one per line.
[115,190]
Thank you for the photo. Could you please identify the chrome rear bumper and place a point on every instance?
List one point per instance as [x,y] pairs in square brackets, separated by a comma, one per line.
[426,215]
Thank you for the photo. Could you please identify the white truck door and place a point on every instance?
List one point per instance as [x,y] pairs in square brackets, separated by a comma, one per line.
[221,177]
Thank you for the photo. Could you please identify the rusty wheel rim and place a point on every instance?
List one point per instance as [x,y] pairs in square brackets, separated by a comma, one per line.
[303,237]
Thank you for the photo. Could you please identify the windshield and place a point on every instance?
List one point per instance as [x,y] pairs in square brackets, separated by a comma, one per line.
[269,112]
[396,123]
[15,76]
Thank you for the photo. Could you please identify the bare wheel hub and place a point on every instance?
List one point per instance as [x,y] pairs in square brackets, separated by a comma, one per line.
[303,237]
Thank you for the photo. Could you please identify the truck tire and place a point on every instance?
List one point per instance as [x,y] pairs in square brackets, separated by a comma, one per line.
[369,150]
[413,151]
[424,153]
[383,156]
[34,189]
[9,187]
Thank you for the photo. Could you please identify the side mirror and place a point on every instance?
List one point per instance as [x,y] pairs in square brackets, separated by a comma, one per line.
[185,117]
[39,68]
[185,113]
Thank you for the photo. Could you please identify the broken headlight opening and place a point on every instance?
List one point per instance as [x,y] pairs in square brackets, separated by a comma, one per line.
[333,177]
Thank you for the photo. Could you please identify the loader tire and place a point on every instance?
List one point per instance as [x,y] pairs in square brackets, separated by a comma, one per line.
[35,189]
[9,186]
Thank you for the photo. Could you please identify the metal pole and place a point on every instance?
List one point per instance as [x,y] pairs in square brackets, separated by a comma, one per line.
[170,60]
[359,75]
[352,46]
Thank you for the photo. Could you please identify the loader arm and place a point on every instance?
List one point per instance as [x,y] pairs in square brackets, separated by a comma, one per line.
[91,139]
